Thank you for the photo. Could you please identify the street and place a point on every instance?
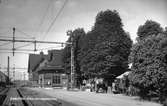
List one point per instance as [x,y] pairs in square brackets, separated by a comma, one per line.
[80,98]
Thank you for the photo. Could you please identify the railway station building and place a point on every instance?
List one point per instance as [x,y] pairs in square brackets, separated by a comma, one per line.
[48,71]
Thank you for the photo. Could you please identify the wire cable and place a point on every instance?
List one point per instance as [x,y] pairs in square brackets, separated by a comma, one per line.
[44,16]
[27,35]
[4,33]
[4,52]
[23,45]
[2,27]
[48,48]
[15,37]
[6,43]
[61,9]
[26,50]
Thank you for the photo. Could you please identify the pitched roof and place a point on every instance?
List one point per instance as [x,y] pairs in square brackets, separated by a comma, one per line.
[34,60]
[54,63]
[56,58]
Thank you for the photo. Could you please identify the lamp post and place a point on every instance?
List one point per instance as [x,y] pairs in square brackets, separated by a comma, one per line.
[69,33]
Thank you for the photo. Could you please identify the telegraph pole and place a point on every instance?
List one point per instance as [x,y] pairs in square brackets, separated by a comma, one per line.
[14,73]
[0,71]
[8,70]
[72,63]
[24,77]
[69,33]
[13,40]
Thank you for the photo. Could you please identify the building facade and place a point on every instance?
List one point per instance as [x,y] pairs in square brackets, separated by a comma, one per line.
[49,72]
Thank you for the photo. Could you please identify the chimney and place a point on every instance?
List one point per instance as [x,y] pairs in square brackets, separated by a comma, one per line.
[41,54]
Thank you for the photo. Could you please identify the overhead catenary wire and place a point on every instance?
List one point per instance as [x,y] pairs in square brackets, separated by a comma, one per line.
[48,48]
[23,46]
[54,20]
[4,33]
[24,33]
[6,49]
[34,41]
[5,52]
[44,16]
[4,44]
[5,27]
[14,68]
[9,37]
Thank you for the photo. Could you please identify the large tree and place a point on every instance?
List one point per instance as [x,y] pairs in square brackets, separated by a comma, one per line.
[149,69]
[149,62]
[107,46]
[104,50]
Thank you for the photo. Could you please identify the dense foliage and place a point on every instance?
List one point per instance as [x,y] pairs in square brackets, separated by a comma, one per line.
[109,46]
[104,52]
[78,35]
[105,49]
[149,28]
[149,63]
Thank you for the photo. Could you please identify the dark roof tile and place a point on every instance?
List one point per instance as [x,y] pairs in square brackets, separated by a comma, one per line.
[34,60]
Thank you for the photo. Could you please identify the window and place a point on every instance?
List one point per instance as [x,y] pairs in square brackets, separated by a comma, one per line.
[56,79]
[51,56]
[47,76]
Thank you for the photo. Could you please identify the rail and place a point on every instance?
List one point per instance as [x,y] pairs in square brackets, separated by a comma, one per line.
[24,93]
[3,94]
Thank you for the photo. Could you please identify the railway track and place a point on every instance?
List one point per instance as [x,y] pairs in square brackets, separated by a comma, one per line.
[25,97]
[3,94]
[23,101]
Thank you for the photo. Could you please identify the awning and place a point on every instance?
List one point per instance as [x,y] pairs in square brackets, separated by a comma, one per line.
[122,75]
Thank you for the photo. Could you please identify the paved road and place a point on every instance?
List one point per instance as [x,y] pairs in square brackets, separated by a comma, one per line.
[72,98]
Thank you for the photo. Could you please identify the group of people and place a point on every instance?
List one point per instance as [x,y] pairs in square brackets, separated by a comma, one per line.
[118,86]
[95,85]
[124,87]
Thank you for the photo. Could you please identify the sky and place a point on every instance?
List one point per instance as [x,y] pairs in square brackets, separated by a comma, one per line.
[32,18]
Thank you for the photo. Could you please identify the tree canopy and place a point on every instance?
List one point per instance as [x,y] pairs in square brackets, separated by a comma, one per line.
[105,49]
[149,28]
[78,35]
[149,62]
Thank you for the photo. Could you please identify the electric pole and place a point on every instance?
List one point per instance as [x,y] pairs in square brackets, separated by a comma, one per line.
[8,70]
[0,71]
[69,33]
[13,72]
[72,63]
[24,77]
[13,40]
